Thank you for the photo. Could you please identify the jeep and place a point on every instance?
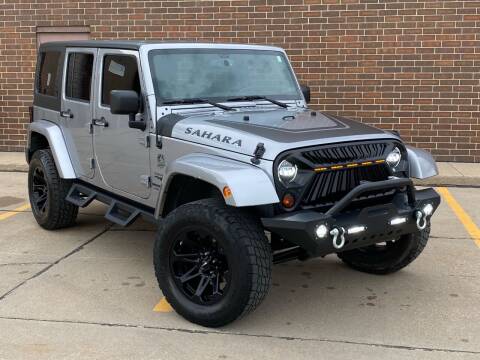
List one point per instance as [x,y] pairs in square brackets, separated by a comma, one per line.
[216,144]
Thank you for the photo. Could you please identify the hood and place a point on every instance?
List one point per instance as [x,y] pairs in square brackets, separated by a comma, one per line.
[279,130]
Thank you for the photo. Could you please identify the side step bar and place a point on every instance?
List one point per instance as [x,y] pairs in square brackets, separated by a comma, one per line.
[119,212]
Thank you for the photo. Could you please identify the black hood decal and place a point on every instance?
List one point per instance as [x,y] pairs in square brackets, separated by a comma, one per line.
[166,123]
[299,127]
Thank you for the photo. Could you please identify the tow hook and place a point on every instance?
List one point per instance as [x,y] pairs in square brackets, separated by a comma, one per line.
[338,237]
[421,219]
[423,215]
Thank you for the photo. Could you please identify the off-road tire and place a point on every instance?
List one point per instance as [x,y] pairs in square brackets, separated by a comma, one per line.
[400,253]
[59,213]
[247,251]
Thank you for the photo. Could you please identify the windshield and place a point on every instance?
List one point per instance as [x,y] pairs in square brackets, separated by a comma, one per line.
[221,74]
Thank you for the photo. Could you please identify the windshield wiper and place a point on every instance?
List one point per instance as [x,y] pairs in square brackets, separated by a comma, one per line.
[258,97]
[198,101]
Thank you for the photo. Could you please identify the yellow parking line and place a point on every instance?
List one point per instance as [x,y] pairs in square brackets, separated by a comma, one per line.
[462,215]
[7,214]
[163,306]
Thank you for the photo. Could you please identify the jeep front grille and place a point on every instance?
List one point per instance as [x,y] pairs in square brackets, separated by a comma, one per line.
[337,169]
[330,186]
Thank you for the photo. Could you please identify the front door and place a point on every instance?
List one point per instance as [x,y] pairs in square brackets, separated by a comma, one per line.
[77,103]
[121,152]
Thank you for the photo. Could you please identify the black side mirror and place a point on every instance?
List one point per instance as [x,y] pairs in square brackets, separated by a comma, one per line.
[306,92]
[124,102]
[127,102]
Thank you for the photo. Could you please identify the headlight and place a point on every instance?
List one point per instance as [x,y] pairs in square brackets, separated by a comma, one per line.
[394,158]
[287,172]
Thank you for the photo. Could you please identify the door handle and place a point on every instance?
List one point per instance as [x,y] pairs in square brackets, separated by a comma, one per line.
[66,114]
[100,122]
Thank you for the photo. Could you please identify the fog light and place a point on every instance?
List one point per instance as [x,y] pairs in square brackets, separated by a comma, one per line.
[356,229]
[428,209]
[398,220]
[321,231]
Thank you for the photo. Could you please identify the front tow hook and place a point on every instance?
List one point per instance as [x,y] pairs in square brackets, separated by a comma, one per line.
[338,234]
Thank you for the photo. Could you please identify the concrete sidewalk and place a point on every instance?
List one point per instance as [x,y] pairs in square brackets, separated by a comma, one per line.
[461,174]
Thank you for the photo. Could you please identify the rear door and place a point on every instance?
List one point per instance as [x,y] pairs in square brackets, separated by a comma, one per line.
[121,152]
[77,108]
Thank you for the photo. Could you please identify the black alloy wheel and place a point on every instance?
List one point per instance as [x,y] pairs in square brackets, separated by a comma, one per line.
[199,266]
[40,191]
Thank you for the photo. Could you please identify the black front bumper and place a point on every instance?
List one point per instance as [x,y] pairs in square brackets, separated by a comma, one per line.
[300,227]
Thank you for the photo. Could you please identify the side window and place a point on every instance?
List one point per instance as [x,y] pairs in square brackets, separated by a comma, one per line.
[79,76]
[120,72]
[47,83]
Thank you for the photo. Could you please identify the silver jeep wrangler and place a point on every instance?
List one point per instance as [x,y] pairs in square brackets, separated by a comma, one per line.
[216,144]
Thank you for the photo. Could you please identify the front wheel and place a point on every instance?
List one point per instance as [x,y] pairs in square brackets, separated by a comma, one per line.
[213,262]
[387,257]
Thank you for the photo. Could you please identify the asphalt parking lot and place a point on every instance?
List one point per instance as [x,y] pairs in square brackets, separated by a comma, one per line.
[90,292]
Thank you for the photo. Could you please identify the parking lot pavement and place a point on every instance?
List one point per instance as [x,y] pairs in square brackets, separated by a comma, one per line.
[90,292]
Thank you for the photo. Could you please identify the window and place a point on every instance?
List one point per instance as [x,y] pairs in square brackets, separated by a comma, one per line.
[120,72]
[47,83]
[79,76]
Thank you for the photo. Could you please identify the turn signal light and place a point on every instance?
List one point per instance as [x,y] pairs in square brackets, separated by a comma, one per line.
[288,200]
[227,192]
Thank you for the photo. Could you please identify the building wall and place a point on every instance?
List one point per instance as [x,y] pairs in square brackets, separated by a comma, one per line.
[409,65]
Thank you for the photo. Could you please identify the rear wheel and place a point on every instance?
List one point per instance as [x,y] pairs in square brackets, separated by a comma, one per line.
[47,193]
[213,263]
[387,257]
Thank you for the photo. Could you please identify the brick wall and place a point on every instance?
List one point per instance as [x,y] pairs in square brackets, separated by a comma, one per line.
[409,65]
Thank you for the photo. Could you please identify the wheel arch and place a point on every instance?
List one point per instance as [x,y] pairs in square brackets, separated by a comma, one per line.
[249,185]
[44,134]
[178,191]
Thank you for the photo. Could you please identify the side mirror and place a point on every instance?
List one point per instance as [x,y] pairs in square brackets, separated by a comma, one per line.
[124,102]
[306,92]
[127,102]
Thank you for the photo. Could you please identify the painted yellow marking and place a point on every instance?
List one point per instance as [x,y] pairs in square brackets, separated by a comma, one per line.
[462,215]
[336,167]
[379,161]
[7,214]
[163,306]
[352,165]
[367,163]
[321,169]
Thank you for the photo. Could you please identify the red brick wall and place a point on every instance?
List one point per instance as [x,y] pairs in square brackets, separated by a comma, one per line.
[409,65]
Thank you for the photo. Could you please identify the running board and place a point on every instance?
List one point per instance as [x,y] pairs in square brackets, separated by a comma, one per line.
[119,212]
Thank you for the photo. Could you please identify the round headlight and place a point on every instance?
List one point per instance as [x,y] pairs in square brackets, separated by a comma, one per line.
[393,159]
[287,172]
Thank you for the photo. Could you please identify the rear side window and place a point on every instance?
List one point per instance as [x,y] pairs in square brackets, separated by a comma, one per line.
[47,81]
[120,72]
[79,76]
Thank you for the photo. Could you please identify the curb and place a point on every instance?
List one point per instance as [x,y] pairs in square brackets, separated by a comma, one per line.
[13,168]
[438,180]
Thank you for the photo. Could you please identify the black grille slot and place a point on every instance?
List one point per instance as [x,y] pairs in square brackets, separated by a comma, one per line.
[329,186]
[346,153]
